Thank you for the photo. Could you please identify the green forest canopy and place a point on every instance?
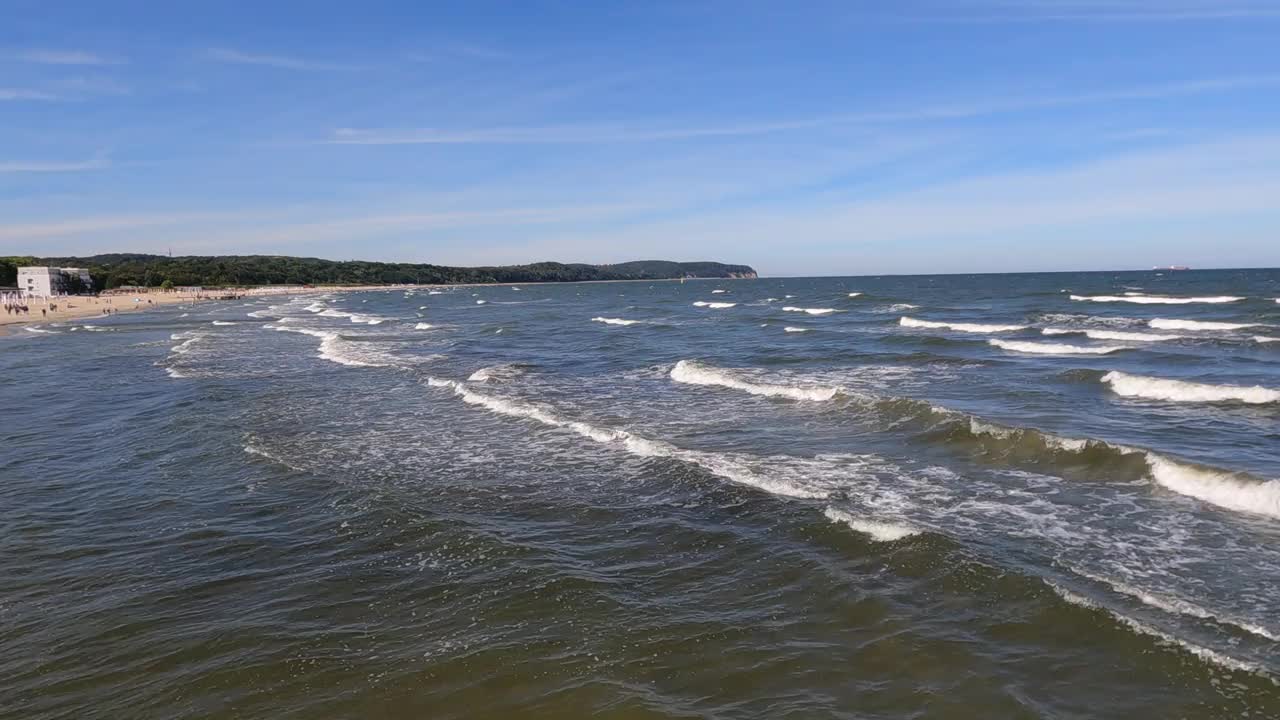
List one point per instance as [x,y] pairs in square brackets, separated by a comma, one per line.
[116,270]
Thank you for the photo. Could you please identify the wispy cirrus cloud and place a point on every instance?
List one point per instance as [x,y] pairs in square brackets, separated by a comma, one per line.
[65,57]
[15,94]
[97,162]
[284,62]
[601,134]
[1127,11]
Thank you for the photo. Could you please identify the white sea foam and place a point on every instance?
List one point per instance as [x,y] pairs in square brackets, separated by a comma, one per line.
[1264,339]
[1167,324]
[1039,348]
[718,292]
[899,307]
[615,321]
[1112,335]
[958,327]
[316,307]
[334,349]
[1177,606]
[185,346]
[855,294]
[811,311]
[739,471]
[259,313]
[1224,489]
[481,302]
[693,373]
[714,305]
[879,531]
[423,326]
[1183,391]
[795,329]
[41,331]
[223,322]
[1157,299]
[435,292]
[1210,656]
[175,374]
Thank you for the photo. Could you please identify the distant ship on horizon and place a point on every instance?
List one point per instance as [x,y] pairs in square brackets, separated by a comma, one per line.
[1171,267]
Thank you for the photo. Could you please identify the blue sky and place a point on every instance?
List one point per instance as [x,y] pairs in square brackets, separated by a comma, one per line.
[802,138]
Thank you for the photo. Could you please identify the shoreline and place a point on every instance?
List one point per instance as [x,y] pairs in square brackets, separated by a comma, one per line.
[88,307]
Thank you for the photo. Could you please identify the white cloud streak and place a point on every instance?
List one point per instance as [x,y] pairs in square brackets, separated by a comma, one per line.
[65,57]
[597,134]
[95,163]
[284,62]
[17,94]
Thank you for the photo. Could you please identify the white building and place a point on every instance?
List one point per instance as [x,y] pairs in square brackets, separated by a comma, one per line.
[49,281]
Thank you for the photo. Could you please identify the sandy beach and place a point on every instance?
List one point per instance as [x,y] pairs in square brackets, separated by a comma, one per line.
[88,307]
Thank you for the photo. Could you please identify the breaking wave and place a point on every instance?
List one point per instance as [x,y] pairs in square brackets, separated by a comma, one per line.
[334,349]
[1167,324]
[1038,348]
[693,373]
[1233,491]
[1164,638]
[1157,299]
[1182,391]
[1264,339]
[714,305]
[1112,335]
[905,321]
[811,311]
[879,531]
[615,321]
[734,469]
[423,326]
[795,329]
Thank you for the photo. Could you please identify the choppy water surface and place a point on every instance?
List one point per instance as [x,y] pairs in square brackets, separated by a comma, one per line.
[964,497]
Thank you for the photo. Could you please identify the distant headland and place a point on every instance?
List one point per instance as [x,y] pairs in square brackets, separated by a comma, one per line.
[126,270]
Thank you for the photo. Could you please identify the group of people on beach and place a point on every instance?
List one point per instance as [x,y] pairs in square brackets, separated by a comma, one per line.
[17,308]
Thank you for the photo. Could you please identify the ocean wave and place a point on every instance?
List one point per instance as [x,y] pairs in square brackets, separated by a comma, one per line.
[879,531]
[1112,335]
[1203,653]
[224,322]
[615,321]
[316,307]
[334,349]
[1182,391]
[498,373]
[899,307]
[1157,299]
[905,321]
[737,470]
[1264,339]
[718,292]
[1054,348]
[714,305]
[692,373]
[353,317]
[1168,324]
[811,311]
[1233,491]
[855,294]
[185,346]
[481,302]
[41,331]
[1177,606]
[260,314]
[423,326]
[795,329]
